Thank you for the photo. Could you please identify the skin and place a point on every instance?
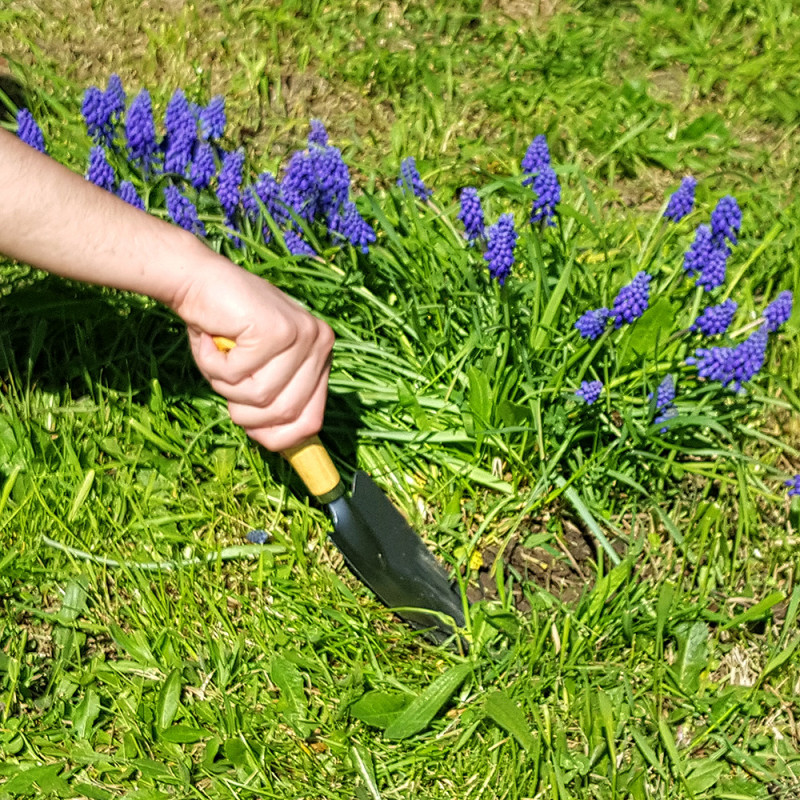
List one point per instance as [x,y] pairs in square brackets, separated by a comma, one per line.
[275,379]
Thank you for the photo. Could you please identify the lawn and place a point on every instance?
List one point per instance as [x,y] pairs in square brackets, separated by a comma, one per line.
[634,626]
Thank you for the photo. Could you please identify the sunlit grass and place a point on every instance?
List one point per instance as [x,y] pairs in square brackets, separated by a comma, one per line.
[672,674]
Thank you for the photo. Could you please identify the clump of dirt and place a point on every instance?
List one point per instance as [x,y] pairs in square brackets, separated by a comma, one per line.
[564,568]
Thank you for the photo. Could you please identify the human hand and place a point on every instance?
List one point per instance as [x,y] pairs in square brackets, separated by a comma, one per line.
[276,378]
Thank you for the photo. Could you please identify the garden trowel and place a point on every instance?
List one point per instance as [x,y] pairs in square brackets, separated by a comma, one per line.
[377,542]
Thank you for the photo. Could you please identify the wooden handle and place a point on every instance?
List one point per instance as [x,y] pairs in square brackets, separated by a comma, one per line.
[309,459]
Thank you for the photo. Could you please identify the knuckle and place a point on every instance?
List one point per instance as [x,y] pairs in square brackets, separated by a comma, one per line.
[326,336]
[282,411]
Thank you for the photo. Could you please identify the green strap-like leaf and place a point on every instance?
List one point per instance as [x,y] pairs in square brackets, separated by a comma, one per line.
[425,707]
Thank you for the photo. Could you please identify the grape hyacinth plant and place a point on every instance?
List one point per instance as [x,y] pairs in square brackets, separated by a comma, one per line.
[212,119]
[681,202]
[499,255]
[471,215]
[715,320]
[29,131]
[410,178]
[777,313]
[127,192]
[591,324]
[665,401]
[589,392]
[632,300]
[516,312]
[140,133]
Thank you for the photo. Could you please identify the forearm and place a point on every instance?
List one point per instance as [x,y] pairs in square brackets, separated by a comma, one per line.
[54,219]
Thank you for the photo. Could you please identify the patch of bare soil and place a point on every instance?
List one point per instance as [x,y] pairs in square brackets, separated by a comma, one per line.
[567,574]
[524,10]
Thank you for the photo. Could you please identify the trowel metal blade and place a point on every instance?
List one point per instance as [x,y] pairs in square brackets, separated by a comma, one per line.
[391,559]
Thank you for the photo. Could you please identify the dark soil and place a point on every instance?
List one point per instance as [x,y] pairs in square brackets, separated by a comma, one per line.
[564,568]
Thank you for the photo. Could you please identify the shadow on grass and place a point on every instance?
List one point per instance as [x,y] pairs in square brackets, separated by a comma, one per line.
[69,339]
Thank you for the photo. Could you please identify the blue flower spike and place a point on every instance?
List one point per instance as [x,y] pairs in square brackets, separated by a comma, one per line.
[732,366]
[349,224]
[100,172]
[230,179]
[500,248]
[707,258]
[181,127]
[715,320]
[591,324]
[140,132]
[537,156]
[726,220]
[794,486]
[212,119]
[681,202]
[182,211]
[665,401]
[589,392]
[548,196]
[778,311]
[471,215]
[29,131]
[296,245]
[318,135]
[127,192]
[632,300]
[410,177]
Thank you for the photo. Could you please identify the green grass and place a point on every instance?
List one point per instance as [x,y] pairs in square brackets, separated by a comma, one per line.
[147,651]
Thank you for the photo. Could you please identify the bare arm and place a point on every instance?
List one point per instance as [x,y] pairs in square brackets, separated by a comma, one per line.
[275,379]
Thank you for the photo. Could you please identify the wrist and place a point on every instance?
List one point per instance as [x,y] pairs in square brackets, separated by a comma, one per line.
[190,262]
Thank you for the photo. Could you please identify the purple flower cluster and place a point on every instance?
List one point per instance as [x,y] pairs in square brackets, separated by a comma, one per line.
[778,311]
[632,300]
[592,323]
[726,220]
[665,401]
[203,167]
[181,126]
[715,320]
[299,186]
[794,485]
[102,110]
[140,132]
[318,135]
[100,172]
[127,192]
[296,245]
[732,365]
[681,201]
[182,211]
[28,131]
[500,248]
[349,224]
[230,179]
[540,175]
[332,178]
[212,119]
[589,392]
[471,214]
[707,257]
[536,157]
[266,192]
[410,177]
[316,186]
[548,196]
